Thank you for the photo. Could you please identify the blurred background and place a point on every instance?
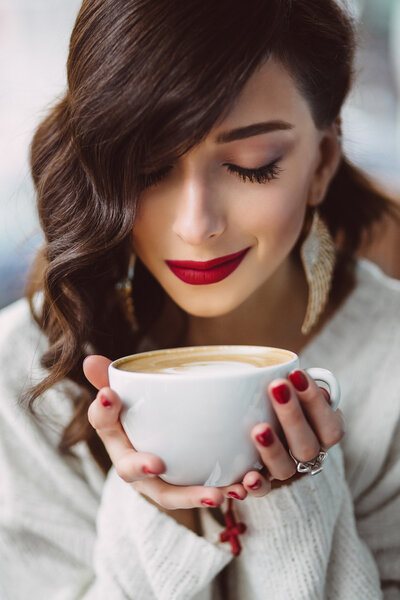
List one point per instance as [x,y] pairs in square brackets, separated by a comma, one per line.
[34,38]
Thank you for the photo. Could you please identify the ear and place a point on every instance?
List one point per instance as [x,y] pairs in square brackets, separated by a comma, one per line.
[328,159]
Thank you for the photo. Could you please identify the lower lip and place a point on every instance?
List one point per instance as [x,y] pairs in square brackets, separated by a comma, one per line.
[218,273]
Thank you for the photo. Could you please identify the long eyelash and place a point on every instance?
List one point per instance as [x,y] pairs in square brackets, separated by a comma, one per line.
[260,175]
[151,179]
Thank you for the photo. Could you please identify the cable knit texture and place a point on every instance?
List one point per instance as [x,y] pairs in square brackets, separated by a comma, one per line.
[66,532]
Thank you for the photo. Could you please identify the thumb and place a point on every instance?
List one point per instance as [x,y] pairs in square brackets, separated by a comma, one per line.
[95,368]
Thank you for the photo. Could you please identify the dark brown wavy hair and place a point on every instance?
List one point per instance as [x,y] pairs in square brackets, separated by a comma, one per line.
[147,80]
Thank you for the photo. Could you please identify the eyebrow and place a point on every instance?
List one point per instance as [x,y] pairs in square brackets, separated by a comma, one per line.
[251,130]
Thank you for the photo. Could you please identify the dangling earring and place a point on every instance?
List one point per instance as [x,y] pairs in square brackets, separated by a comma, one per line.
[318,257]
[124,291]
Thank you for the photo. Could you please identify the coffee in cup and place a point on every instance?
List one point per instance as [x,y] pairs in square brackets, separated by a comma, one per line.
[204,359]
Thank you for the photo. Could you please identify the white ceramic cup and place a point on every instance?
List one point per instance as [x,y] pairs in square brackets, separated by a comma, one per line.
[199,422]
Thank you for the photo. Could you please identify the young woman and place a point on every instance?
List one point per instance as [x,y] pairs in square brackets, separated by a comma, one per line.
[189,132]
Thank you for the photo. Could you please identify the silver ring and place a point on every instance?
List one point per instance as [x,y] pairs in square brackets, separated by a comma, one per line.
[311,466]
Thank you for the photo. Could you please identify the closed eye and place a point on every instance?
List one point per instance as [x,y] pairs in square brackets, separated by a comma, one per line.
[151,179]
[260,175]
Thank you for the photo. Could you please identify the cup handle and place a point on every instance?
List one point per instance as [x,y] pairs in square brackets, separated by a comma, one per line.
[325,376]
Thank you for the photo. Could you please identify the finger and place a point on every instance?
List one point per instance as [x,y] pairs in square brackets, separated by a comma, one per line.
[327,423]
[171,497]
[326,395]
[255,484]
[95,368]
[302,440]
[236,491]
[130,465]
[273,453]
[341,418]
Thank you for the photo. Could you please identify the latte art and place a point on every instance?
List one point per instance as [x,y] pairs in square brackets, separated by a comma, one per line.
[209,366]
[203,360]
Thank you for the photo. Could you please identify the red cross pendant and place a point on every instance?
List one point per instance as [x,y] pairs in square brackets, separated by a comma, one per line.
[233,530]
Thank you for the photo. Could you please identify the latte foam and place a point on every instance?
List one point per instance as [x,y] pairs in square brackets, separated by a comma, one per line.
[203,360]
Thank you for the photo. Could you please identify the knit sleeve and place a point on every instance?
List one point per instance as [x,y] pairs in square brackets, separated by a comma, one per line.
[139,546]
[60,539]
[303,542]
[378,519]
[136,552]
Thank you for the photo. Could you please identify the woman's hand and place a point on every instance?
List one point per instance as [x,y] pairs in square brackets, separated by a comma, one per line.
[141,468]
[308,424]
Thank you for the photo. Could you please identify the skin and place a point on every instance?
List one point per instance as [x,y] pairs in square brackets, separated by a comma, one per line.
[200,211]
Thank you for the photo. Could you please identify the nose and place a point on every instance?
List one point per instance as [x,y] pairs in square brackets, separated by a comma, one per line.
[199,216]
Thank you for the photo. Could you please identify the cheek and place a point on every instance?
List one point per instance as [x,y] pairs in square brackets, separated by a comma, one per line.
[276,218]
[141,233]
[148,228]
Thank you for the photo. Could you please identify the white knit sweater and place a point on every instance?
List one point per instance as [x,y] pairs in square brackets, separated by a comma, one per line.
[68,533]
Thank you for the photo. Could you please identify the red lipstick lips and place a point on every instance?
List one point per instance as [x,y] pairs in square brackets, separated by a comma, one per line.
[209,271]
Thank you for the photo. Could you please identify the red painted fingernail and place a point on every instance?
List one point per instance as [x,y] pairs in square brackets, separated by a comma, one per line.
[255,485]
[266,438]
[281,393]
[207,502]
[234,495]
[104,400]
[299,380]
[147,471]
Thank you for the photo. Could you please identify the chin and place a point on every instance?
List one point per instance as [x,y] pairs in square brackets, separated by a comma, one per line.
[210,308]
[206,313]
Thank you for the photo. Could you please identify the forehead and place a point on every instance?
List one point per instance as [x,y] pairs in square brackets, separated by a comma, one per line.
[270,93]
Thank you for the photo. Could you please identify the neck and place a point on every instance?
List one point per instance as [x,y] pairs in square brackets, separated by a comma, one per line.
[272,316]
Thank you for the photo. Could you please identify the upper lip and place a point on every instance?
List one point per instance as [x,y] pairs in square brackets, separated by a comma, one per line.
[207,264]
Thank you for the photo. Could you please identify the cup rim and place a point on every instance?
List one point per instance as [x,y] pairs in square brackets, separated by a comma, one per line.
[193,375]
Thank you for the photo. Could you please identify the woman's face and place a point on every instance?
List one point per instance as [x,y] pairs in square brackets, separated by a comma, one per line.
[241,190]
